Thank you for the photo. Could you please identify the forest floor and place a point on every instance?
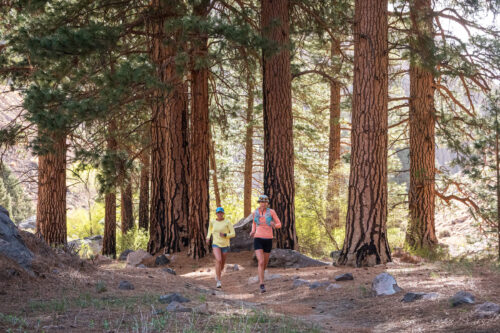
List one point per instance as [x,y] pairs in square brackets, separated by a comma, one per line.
[84,297]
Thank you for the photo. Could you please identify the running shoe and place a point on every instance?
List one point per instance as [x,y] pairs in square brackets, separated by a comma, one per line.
[218,284]
[262,289]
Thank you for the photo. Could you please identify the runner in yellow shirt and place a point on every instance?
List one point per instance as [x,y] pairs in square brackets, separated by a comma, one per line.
[221,230]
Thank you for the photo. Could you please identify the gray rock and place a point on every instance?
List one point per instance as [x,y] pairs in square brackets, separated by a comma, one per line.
[28,224]
[11,243]
[235,268]
[486,310]
[177,307]
[285,258]
[162,260]
[385,284]
[124,254]
[462,297]
[317,284]
[125,285]
[335,255]
[202,309]
[136,257]
[333,286]
[242,240]
[173,297]
[344,277]
[412,297]
[300,282]
[169,271]
[431,296]
[141,266]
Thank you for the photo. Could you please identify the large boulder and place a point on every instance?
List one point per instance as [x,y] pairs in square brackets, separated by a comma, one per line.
[88,246]
[284,258]
[135,258]
[385,284]
[242,241]
[11,243]
[29,224]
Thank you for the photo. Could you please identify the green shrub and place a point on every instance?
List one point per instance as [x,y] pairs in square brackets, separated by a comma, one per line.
[134,239]
[82,223]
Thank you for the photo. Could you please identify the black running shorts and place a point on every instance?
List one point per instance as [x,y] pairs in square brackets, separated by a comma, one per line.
[265,244]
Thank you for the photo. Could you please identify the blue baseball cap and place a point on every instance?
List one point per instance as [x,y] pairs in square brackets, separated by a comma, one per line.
[263,198]
[219,210]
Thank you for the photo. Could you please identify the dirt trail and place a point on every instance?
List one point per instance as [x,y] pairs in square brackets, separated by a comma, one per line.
[351,308]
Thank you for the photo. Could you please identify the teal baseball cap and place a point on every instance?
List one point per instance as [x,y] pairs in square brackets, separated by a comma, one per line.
[219,210]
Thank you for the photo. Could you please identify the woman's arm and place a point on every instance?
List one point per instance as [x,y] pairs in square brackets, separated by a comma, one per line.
[210,230]
[231,233]
[277,222]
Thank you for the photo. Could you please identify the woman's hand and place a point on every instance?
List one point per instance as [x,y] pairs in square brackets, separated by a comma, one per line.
[252,233]
[222,234]
[208,241]
[273,225]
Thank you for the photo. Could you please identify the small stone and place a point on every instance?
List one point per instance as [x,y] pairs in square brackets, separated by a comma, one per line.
[162,260]
[431,296]
[169,271]
[55,271]
[202,309]
[53,327]
[208,270]
[173,297]
[253,279]
[344,277]
[333,286]
[486,310]
[300,282]
[462,297]
[125,285]
[385,284]
[177,307]
[124,254]
[141,266]
[317,284]
[412,297]
[236,268]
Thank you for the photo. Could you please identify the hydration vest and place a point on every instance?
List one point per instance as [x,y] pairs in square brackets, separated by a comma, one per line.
[268,216]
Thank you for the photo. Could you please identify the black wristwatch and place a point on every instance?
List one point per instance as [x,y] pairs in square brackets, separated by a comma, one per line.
[225,235]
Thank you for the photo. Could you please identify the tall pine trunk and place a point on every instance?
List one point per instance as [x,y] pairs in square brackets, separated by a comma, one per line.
[144,191]
[248,173]
[127,210]
[365,242]
[421,233]
[51,204]
[333,190]
[176,161]
[278,121]
[109,238]
[199,144]
[213,166]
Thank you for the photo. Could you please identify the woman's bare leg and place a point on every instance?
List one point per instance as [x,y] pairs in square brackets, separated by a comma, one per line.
[218,261]
[262,264]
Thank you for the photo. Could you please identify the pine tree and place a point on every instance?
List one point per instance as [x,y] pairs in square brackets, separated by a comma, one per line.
[278,122]
[365,242]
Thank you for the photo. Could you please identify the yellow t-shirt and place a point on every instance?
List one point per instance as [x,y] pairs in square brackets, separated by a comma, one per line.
[216,227]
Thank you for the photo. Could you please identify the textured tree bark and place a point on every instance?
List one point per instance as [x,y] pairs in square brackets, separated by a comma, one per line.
[176,158]
[51,204]
[421,232]
[199,144]
[127,210]
[278,123]
[365,242]
[213,165]
[157,228]
[333,190]
[109,238]
[144,191]
[248,173]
